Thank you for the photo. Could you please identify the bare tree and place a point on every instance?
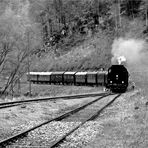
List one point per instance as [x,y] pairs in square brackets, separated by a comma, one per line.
[146,12]
[119,9]
[17,43]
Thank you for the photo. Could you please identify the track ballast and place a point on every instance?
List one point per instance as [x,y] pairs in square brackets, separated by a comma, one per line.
[60,118]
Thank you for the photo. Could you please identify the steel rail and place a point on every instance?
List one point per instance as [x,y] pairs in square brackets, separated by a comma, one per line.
[10,105]
[8,140]
[90,118]
[16,103]
[56,97]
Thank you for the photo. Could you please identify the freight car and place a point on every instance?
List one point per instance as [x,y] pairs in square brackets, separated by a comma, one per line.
[69,78]
[102,78]
[33,77]
[96,78]
[39,77]
[80,78]
[57,78]
[44,77]
[117,78]
[92,78]
[73,78]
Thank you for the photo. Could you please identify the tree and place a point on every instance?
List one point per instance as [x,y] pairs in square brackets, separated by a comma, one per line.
[14,28]
[131,7]
[144,11]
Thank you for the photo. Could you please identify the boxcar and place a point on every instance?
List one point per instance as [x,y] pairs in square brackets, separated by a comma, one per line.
[33,77]
[69,78]
[44,77]
[91,78]
[57,77]
[81,78]
[101,78]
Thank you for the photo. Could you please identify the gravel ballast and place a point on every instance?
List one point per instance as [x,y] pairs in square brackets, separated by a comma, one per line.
[40,137]
[50,133]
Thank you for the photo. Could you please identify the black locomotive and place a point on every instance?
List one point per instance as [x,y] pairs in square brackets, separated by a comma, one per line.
[117,78]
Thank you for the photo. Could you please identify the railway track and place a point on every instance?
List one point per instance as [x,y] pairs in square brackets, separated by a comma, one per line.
[12,139]
[91,117]
[16,103]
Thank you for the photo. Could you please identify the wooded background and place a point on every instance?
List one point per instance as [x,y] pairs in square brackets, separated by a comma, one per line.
[45,35]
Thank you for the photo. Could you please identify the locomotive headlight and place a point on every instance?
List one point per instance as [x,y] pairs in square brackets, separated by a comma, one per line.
[122,82]
[117,77]
[110,81]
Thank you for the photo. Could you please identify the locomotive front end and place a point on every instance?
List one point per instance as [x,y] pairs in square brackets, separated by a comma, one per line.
[117,78]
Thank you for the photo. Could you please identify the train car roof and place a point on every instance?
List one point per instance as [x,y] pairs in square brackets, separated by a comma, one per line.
[69,73]
[33,73]
[92,72]
[81,73]
[40,73]
[102,72]
[58,72]
[45,73]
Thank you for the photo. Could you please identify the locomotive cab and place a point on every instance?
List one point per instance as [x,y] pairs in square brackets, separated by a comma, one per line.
[117,79]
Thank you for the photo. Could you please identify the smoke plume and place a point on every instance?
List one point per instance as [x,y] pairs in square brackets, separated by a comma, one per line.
[133,52]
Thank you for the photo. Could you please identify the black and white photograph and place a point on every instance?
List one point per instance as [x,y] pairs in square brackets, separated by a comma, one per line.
[73,73]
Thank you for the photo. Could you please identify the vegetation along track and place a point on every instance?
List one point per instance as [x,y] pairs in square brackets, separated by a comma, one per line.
[12,139]
[15,103]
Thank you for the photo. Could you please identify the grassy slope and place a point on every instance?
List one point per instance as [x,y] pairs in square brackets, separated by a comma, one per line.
[90,54]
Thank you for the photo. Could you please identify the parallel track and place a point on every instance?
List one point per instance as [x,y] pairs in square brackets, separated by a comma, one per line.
[92,117]
[12,139]
[16,103]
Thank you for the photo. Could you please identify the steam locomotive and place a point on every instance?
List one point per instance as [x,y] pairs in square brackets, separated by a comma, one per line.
[115,79]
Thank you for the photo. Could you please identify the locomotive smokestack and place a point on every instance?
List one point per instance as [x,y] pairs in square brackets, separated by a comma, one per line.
[121,60]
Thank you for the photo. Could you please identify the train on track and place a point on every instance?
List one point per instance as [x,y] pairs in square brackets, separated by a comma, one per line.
[116,78]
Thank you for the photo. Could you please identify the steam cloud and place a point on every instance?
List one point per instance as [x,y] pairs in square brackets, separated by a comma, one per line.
[133,51]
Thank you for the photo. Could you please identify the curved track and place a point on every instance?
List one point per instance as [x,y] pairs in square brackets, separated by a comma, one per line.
[92,117]
[16,103]
[12,139]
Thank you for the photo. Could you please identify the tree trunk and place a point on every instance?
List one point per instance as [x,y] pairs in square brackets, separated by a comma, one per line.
[146,14]
[12,92]
[119,13]
[29,65]
[19,86]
